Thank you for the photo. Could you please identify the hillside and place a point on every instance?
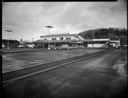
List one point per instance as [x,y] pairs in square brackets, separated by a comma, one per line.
[112,33]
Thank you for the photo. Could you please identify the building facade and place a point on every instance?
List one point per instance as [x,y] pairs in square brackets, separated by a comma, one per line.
[73,40]
[114,43]
[61,37]
[104,43]
[10,43]
[98,43]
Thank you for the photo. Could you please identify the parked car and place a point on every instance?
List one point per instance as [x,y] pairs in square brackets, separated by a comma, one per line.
[30,46]
[51,47]
[123,47]
[64,47]
[21,46]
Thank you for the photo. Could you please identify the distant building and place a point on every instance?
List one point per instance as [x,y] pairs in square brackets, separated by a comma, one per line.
[74,40]
[60,39]
[26,44]
[10,43]
[114,43]
[105,43]
[98,43]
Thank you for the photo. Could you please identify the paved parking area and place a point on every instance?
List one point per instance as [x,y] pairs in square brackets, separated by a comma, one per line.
[91,78]
[15,61]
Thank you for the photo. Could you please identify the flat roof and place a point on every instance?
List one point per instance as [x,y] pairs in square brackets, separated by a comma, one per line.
[101,39]
[59,35]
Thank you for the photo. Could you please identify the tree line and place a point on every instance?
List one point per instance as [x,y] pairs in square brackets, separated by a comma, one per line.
[112,33]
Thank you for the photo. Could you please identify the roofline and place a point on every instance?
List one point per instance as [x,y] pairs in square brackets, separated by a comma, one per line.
[106,39]
[56,35]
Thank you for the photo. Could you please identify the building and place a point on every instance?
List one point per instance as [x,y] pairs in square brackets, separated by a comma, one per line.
[104,43]
[26,44]
[98,43]
[65,36]
[73,40]
[10,43]
[114,43]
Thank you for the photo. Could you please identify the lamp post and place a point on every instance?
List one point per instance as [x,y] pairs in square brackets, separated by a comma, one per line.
[8,37]
[48,31]
[48,28]
[32,42]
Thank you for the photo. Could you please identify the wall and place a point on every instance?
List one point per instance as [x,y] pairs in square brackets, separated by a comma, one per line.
[95,45]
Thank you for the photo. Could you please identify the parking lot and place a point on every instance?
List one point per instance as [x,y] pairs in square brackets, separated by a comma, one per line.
[99,76]
[15,61]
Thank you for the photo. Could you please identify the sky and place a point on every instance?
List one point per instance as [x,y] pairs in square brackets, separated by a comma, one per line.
[27,20]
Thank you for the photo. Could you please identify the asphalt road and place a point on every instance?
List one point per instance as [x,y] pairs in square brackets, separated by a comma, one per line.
[91,78]
[21,60]
[16,74]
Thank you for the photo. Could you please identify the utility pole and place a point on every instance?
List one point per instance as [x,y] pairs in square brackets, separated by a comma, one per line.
[32,42]
[8,42]
[8,37]
[48,32]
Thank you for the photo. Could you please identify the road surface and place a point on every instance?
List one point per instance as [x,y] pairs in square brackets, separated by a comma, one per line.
[94,77]
[21,60]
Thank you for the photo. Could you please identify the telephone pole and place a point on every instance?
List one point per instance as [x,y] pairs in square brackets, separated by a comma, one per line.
[8,37]
[49,27]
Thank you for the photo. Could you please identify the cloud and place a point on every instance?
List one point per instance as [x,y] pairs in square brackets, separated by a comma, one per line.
[29,18]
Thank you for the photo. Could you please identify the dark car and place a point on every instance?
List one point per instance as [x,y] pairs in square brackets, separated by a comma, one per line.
[123,47]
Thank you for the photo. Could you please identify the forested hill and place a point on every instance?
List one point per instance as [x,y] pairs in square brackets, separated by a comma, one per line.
[112,33]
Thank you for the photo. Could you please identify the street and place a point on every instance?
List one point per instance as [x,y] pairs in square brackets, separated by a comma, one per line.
[95,77]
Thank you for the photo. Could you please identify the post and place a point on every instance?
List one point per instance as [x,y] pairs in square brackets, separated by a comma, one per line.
[43,44]
[8,41]
[49,32]
[32,43]
[8,37]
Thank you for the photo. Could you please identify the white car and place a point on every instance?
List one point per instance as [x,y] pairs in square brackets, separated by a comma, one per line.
[64,47]
[20,46]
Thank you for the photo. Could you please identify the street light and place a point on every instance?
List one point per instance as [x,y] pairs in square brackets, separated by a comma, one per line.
[48,28]
[48,31]
[32,42]
[8,37]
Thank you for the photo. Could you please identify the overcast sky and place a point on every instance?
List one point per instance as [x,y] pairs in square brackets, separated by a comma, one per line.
[27,20]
